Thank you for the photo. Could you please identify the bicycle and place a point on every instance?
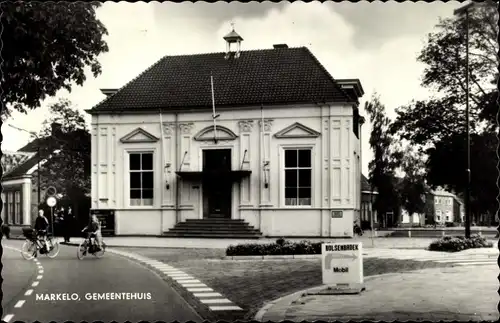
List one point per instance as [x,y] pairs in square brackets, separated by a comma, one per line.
[89,245]
[33,245]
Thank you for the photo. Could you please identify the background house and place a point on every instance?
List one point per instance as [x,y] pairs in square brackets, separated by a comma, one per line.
[442,207]
[20,196]
[368,196]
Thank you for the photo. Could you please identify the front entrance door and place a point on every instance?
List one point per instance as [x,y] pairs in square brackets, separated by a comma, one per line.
[217,189]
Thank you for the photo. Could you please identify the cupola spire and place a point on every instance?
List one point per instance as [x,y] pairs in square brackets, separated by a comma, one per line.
[233,38]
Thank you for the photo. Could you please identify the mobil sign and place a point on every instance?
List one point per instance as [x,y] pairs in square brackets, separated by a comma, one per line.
[342,264]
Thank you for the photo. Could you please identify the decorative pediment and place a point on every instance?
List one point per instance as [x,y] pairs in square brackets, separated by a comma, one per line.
[223,133]
[139,135]
[297,130]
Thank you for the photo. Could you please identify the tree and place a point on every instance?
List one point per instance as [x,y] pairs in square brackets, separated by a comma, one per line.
[437,125]
[483,167]
[382,167]
[412,188]
[66,149]
[46,47]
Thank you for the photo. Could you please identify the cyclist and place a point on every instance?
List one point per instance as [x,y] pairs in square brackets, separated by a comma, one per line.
[41,226]
[94,228]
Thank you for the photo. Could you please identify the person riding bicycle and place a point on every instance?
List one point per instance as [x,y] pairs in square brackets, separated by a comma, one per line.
[41,227]
[94,228]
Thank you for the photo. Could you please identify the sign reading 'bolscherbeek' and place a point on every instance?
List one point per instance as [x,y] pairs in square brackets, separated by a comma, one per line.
[342,264]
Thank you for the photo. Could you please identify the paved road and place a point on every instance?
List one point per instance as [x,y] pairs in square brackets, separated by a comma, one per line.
[81,279]
[17,274]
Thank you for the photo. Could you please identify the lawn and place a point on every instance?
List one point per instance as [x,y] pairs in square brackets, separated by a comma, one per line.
[250,284]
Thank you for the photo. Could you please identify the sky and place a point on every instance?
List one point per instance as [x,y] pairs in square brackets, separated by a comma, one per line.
[376,43]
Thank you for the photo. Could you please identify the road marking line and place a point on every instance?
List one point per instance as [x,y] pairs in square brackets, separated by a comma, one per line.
[207,294]
[39,277]
[182,278]
[28,292]
[216,301]
[40,271]
[205,289]
[225,308]
[188,281]
[467,260]
[172,271]
[34,284]
[475,263]
[19,304]
[8,317]
[193,285]
[178,275]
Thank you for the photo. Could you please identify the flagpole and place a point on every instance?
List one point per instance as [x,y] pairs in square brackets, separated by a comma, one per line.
[163,159]
[213,107]
[262,145]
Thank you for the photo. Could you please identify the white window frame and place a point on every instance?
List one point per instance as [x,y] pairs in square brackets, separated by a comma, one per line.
[17,208]
[448,216]
[282,149]
[10,207]
[438,215]
[4,204]
[129,152]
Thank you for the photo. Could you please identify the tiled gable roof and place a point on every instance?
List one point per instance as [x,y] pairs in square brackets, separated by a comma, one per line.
[365,185]
[21,169]
[12,160]
[271,76]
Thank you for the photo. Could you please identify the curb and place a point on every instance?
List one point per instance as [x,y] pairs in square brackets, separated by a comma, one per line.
[227,310]
[263,311]
[311,256]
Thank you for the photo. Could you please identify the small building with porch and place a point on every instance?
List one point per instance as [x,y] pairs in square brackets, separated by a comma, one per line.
[265,141]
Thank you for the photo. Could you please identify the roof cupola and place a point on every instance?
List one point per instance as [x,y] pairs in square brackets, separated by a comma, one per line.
[233,38]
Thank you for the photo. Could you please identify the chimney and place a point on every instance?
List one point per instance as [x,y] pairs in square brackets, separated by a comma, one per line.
[232,38]
[278,46]
[109,92]
[352,87]
[55,128]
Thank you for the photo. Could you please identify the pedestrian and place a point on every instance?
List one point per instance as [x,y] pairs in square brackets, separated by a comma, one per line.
[68,225]
[59,221]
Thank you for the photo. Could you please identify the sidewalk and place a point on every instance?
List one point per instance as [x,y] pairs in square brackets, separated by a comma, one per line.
[431,294]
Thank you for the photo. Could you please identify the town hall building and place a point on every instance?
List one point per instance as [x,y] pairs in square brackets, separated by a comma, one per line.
[260,138]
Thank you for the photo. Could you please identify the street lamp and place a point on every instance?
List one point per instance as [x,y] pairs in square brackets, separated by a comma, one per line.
[461,12]
[38,161]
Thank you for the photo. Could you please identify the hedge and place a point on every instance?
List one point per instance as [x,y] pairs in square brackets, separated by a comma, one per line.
[280,247]
[459,243]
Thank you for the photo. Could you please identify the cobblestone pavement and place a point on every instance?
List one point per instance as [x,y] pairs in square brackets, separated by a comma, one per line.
[457,293]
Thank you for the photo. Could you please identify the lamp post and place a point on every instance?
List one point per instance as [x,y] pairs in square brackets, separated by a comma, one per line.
[464,12]
[38,161]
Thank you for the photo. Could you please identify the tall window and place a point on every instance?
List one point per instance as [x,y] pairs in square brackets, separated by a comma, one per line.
[438,216]
[448,216]
[17,208]
[10,208]
[4,205]
[141,178]
[298,175]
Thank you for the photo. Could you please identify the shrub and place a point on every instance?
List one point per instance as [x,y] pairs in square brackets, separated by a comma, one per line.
[459,243]
[280,247]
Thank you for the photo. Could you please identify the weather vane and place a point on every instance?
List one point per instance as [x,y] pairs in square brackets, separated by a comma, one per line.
[232,25]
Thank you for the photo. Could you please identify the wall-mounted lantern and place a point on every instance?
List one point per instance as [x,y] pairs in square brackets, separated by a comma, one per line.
[266,170]
[167,167]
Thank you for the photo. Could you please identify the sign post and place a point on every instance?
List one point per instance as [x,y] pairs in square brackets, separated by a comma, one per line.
[51,202]
[342,266]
